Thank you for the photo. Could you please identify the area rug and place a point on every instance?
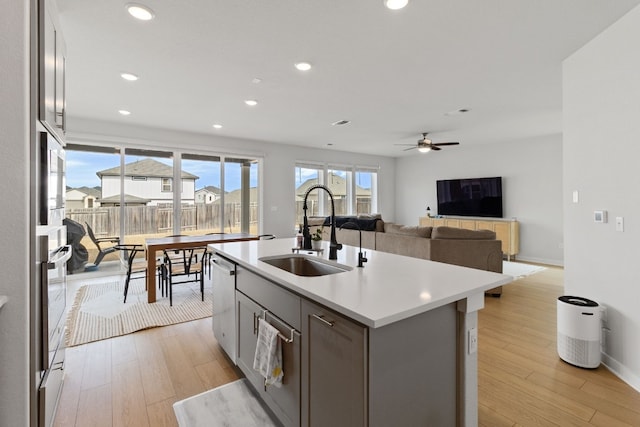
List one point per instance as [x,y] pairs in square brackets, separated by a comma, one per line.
[99,313]
[519,270]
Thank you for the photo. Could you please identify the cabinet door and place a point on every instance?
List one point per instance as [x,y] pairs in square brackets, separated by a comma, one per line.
[47,78]
[284,401]
[334,369]
[52,73]
[484,225]
[451,222]
[468,224]
[503,233]
[60,85]
[439,222]
[425,221]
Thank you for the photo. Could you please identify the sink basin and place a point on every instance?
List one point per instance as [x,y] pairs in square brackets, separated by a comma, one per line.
[302,265]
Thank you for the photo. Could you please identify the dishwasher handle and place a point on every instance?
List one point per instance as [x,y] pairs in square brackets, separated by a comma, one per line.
[228,269]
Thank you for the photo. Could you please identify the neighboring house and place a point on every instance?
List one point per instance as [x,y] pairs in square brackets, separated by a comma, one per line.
[129,200]
[337,185]
[208,194]
[146,181]
[82,198]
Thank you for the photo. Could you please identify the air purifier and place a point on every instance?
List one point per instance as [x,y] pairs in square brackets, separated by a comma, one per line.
[579,326]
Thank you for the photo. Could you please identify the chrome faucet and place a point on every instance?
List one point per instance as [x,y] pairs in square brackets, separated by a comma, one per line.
[361,258]
[334,246]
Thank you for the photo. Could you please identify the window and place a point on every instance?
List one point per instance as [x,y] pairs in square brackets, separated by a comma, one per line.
[129,192]
[166,185]
[354,189]
[366,184]
[305,177]
[339,182]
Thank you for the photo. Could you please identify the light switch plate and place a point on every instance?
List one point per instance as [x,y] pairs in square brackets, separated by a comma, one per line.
[619,223]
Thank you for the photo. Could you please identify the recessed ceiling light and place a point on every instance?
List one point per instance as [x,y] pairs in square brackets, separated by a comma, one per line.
[217,126]
[303,66]
[256,80]
[395,4]
[124,112]
[251,102]
[140,12]
[340,123]
[128,76]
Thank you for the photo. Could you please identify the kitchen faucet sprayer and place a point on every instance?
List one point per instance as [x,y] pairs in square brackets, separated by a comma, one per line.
[334,246]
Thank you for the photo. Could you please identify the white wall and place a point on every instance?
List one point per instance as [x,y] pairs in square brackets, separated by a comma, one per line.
[278,171]
[601,86]
[531,173]
[14,227]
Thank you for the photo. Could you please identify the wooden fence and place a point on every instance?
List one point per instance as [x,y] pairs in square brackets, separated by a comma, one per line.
[105,221]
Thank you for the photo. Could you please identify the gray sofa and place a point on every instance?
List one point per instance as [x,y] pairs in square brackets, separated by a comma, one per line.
[468,248]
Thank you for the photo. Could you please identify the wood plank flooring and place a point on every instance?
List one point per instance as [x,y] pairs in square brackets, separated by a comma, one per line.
[523,382]
[134,380]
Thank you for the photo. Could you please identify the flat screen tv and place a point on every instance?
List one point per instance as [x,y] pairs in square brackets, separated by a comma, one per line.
[470,197]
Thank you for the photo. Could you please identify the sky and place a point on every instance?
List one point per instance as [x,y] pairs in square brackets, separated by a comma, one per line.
[82,168]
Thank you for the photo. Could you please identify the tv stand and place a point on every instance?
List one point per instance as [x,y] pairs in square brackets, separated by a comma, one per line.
[507,230]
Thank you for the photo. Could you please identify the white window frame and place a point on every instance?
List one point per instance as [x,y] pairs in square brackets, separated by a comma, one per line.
[324,168]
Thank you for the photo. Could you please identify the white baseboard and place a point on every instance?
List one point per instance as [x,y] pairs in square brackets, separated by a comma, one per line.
[621,371]
[547,261]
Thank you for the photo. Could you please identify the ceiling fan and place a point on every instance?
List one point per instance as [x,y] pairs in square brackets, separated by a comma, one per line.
[425,145]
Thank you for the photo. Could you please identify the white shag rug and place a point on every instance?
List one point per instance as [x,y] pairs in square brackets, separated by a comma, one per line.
[519,270]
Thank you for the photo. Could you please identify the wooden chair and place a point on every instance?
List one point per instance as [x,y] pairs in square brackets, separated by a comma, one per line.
[189,267]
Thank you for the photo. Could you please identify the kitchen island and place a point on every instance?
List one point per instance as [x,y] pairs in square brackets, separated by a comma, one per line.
[393,343]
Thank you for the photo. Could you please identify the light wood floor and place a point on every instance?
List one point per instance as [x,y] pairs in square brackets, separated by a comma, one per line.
[134,380]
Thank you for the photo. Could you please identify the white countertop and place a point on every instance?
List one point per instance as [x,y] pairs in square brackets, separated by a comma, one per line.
[389,288]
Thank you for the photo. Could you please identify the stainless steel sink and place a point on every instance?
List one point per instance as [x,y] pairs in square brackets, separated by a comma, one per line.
[302,265]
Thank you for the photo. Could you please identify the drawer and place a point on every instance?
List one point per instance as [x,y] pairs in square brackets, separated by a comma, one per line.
[274,298]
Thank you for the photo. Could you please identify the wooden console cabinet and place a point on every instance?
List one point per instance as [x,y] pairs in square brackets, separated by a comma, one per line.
[507,231]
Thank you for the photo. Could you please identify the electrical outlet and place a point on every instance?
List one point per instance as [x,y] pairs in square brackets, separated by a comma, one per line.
[473,340]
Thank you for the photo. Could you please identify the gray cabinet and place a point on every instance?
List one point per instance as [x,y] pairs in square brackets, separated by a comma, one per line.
[334,369]
[283,401]
[52,71]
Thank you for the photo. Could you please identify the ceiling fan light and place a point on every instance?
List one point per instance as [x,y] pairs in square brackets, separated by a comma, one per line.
[395,4]
[424,149]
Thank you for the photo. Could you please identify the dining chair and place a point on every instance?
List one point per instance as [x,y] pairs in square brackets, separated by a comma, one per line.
[186,268]
[129,254]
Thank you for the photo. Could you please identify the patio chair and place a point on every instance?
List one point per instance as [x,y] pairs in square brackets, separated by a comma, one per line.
[102,252]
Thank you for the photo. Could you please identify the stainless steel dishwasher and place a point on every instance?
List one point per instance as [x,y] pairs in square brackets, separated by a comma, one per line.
[224,305]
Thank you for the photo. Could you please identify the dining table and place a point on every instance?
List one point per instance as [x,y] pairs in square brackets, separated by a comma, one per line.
[153,245]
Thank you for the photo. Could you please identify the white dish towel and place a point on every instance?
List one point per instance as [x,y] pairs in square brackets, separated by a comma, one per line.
[268,357]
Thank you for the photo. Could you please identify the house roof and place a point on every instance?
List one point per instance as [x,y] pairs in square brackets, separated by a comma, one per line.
[145,167]
[87,191]
[337,185]
[235,195]
[128,198]
[211,189]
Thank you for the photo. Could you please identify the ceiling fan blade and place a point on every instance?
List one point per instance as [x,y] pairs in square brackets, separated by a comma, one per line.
[412,145]
[410,148]
[435,148]
[446,143]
